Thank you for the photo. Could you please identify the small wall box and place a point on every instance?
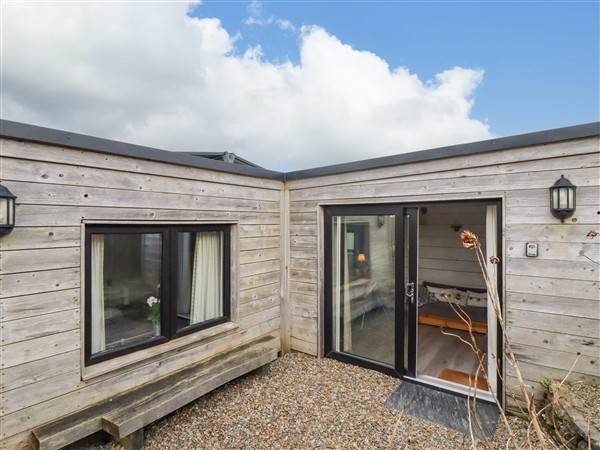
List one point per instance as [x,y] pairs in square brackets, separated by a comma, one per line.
[531,249]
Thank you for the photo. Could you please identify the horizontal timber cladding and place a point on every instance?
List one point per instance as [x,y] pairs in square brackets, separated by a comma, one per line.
[41,283]
[552,302]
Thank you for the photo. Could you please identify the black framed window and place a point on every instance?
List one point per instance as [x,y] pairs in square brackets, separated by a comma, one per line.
[146,285]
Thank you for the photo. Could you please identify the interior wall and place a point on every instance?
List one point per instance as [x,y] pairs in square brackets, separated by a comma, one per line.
[442,257]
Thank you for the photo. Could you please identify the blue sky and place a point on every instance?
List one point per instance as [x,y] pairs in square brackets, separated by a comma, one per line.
[293,85]
[541,58]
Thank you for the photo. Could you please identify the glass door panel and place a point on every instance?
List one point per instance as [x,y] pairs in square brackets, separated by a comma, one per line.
[363,286]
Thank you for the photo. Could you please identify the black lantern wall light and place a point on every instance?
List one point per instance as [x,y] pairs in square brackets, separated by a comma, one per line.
[7,211]
[562,198]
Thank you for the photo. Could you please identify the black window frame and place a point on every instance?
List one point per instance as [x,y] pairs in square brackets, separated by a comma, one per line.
[169,254]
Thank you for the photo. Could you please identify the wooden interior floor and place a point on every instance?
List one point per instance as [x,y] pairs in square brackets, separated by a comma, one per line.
[373,338]
[438,351]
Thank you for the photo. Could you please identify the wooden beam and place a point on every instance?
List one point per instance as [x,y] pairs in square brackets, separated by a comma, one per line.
[130,411]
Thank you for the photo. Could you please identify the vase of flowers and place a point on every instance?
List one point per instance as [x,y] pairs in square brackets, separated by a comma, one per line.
[154,313]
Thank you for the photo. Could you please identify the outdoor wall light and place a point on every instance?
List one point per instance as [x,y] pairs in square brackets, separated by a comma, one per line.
[7,211]
[562,198]
[456,226]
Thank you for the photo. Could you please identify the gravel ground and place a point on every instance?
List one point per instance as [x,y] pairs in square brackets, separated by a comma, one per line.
[301,402]
[589,398]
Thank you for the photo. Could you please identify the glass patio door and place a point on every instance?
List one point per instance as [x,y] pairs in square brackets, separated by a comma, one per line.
[364,318]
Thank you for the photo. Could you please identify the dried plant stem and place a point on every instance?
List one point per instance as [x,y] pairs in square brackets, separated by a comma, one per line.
[495,301]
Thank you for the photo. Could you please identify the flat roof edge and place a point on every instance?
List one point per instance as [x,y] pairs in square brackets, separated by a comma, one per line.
[472,148]
[34,133]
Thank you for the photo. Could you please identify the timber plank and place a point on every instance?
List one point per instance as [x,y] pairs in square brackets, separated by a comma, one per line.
[573,326]
[256,306]
[508,156]
[38,326]
[45,172]
[588,365]
[310,348]
[24,238]
[19,284]
[36,371]
[564,306]
[308,312]
[71,427]
[306,276]
[260,317]
[35,151]
[583,269]
[549,232]
[40,348]
[550,341]
[54,194]
[69,216]
[464,185]
[557,251]
[17,261]
[304,328]
[160,398]
[550,286]
[261,267]
[259,243]
[266,254]
[269,290]
[263,279]
[12,308]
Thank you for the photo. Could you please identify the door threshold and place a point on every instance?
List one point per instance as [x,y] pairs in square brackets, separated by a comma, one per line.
[452,387]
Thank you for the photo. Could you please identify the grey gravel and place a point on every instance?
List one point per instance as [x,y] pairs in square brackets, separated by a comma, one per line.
[301,402]
[588,400]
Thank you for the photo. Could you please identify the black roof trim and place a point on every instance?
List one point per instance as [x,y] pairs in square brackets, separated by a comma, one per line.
[220,156]
[34,133]
[490,145]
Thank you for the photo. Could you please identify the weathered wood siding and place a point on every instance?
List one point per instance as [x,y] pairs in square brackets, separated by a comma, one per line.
[552,302]
[41,270]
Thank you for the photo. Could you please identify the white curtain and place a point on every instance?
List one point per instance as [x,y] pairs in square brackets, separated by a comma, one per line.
[347,299]
[207,281]
[337,286]
[184,283]
[97,280]
[491,249]
[341,294]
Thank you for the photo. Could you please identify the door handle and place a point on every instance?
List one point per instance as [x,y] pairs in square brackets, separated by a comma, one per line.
[410,291]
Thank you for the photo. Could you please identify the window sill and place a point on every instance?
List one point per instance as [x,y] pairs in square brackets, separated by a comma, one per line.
[145,356]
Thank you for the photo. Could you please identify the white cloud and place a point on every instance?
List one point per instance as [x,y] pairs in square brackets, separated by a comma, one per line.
[147,73]
[257,16]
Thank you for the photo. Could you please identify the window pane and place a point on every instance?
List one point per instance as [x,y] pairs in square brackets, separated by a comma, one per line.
[199,287]
[125,280]
[364,286]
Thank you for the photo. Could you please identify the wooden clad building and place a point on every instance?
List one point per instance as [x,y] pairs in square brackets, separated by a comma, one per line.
[136,276]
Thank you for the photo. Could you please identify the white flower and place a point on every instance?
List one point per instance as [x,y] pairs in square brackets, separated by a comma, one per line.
[152,300]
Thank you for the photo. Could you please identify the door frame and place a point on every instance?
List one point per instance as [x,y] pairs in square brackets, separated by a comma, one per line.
[399,369]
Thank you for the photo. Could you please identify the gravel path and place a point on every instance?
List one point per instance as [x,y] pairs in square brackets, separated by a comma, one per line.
[305,403]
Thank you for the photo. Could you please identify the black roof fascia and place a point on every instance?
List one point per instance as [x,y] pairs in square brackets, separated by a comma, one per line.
[218,156]
[34,133]
[490,145]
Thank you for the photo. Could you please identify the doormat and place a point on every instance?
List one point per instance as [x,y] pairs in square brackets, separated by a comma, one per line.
[443,408]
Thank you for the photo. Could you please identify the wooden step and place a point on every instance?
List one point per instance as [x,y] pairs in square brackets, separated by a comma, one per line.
[452,323]
[463,378]
[130,411]
[160,398]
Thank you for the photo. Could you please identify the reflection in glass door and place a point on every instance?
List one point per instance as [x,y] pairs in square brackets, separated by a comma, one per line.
[363,286]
